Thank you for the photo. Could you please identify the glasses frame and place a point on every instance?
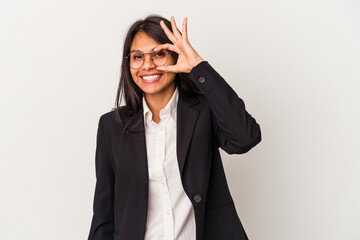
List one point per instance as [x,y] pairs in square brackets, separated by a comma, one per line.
[152,60]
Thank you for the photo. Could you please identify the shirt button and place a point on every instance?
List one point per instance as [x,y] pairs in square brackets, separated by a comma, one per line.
[162,181]
[201,79]
[167,212]
[197,198]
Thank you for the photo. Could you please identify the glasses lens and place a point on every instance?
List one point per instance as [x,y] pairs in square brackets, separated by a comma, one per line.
[160,58]
[136,59]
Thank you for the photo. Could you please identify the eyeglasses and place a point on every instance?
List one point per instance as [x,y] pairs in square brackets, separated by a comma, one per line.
[136,59]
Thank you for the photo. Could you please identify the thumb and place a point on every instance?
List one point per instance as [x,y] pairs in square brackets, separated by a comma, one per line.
[168,68]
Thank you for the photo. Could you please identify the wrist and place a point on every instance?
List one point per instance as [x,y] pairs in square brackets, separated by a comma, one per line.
[195,62]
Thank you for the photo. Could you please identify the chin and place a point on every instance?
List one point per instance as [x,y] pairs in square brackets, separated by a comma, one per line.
[152,91]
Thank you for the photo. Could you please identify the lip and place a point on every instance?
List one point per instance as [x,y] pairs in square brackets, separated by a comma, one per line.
[150,80]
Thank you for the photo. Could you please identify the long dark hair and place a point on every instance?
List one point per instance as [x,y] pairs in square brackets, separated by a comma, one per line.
[127,89]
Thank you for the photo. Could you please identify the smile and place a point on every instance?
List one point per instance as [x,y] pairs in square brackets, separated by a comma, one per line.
[151,78]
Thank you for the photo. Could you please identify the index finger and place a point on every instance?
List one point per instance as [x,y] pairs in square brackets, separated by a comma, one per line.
[168,33]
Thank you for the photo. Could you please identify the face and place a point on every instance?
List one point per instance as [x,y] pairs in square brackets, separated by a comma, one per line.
[150,80]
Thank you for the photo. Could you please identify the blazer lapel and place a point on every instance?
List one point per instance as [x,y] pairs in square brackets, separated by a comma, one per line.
[186,120]
[138,145]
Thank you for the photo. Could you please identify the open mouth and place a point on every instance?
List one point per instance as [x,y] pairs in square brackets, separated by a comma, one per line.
[151,78]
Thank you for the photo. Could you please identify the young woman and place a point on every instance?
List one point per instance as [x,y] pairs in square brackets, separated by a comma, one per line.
[158,167]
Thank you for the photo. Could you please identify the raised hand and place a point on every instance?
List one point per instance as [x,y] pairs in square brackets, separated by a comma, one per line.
[188,57]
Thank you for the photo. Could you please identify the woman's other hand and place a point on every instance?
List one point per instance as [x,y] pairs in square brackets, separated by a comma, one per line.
[188,57]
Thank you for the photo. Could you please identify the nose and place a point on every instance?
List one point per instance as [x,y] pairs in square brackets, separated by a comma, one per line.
[148,63]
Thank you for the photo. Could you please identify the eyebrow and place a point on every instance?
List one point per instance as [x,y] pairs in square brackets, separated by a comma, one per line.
[135,50]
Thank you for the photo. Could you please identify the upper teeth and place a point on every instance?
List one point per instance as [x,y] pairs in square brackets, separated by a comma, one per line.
[151,77]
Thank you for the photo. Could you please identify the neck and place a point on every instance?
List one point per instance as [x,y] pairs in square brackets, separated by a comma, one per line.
[156,102]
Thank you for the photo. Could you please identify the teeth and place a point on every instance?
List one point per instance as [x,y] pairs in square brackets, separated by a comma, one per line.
[151,77]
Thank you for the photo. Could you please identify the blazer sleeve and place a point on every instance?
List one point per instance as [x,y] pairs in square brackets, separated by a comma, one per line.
[102,225]
[235,129]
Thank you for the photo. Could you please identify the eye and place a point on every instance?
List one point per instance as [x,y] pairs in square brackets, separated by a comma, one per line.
[159,54]
[137,57]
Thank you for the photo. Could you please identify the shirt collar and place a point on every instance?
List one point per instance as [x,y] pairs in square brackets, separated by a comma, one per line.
[171,106]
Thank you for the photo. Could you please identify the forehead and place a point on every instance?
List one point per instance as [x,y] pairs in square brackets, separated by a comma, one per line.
[143,42]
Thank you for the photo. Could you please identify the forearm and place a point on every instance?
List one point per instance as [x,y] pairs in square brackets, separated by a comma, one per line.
[237,131]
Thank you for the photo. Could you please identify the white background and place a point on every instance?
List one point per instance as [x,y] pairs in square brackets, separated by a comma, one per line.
[295,64]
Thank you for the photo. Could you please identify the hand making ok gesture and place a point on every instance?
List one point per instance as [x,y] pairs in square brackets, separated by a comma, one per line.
[188,57]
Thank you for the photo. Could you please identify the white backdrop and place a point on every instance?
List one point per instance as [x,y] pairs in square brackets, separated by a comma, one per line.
[295,64]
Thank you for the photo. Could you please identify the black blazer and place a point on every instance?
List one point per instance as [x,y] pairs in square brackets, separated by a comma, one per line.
[216,118]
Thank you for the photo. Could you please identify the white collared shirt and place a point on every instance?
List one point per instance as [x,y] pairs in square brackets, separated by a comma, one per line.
[170,212]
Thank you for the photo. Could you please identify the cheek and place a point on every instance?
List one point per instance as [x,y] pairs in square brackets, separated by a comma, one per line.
[133,75]
[170,77]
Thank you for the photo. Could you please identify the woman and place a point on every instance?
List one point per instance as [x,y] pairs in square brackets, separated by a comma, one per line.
[158,167]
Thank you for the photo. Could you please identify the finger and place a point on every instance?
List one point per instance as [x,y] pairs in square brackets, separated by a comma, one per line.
[175,30]
[184,30]
[168,33]
[167,46]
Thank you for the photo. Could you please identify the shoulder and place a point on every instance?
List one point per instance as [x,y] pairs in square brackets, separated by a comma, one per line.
[113,115]
[108,117]
[108,122]
[194,101]
[120,120]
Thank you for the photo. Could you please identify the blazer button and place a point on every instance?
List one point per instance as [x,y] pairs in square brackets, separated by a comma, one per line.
[201,79]
[197,198]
